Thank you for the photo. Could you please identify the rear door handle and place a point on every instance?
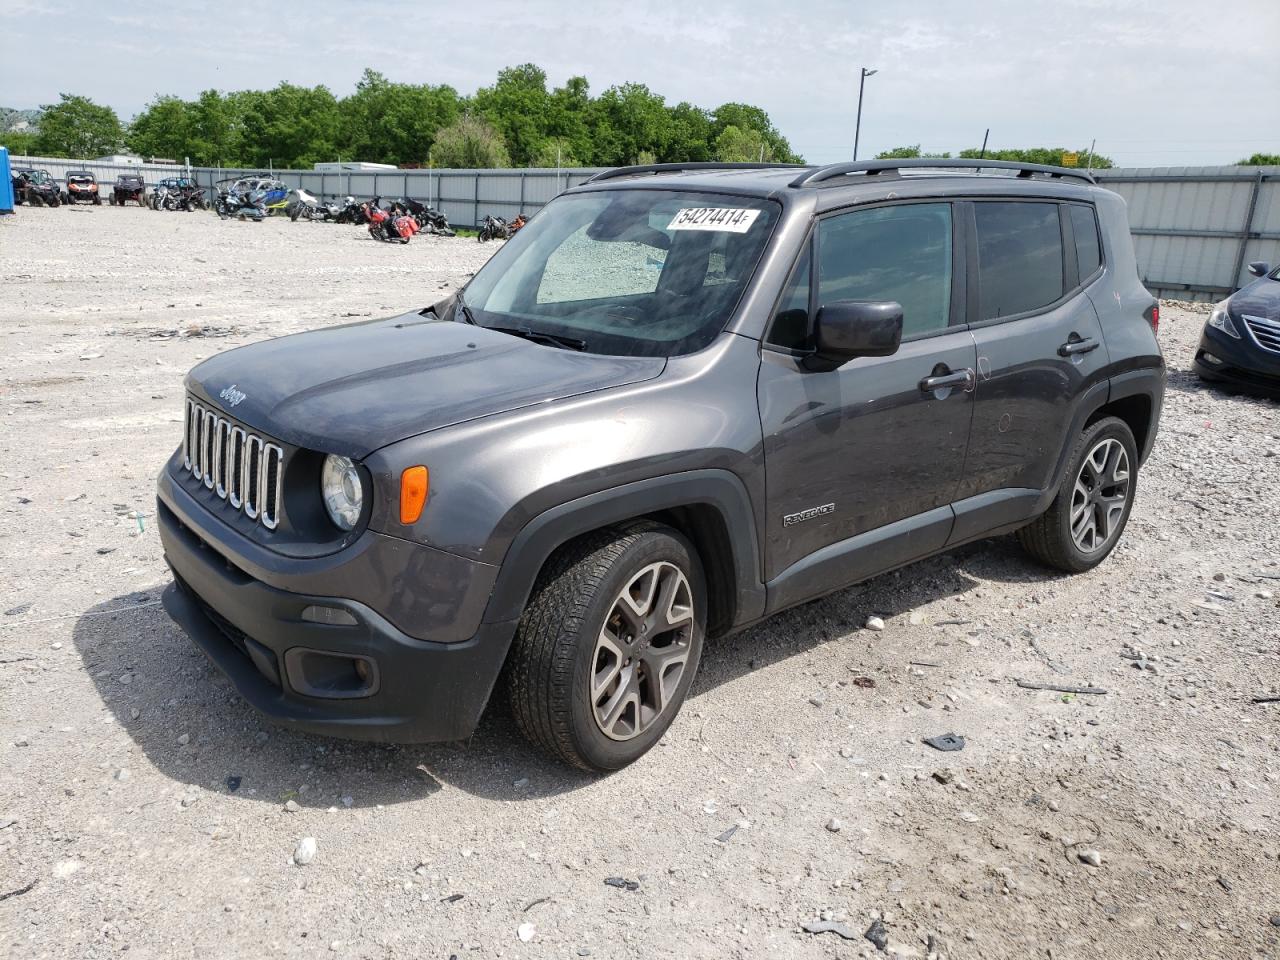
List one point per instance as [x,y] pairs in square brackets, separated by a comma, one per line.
[961,378]
[1075,344]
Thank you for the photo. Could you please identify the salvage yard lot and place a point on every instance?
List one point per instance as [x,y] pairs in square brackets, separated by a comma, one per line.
[145,810]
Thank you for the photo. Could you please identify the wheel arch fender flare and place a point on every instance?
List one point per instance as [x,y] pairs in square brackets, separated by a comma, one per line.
[721,490]
[1145,382]
[1094,399]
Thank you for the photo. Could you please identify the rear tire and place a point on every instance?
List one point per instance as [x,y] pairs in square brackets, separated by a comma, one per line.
[597,672]
[1087,517]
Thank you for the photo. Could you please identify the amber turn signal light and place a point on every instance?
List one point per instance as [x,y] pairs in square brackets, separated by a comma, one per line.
[413,493]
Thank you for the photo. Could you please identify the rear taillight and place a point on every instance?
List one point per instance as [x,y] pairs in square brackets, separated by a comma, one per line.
[1152,316]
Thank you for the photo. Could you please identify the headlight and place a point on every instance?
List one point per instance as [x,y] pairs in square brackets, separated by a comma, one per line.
[1220,319]
[342,490]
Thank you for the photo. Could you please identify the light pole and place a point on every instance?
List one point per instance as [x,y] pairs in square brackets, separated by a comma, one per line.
[857,129]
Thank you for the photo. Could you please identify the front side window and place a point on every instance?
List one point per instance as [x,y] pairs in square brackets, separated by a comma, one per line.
[626,272]
[790,328]
[900,253]
[1019,257]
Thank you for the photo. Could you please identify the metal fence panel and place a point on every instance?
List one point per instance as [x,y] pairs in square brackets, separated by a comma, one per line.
[1195,229]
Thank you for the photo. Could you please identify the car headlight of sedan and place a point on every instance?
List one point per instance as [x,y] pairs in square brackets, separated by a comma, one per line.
[343,491]
[1220,319]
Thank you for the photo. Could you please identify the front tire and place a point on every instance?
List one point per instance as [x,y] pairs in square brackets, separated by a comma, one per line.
[1087,517]
[608,645]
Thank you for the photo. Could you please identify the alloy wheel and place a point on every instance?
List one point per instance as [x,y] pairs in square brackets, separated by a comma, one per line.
[641,651]
[1100,495]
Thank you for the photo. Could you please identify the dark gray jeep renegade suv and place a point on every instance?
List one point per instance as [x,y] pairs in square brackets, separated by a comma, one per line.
[681,399]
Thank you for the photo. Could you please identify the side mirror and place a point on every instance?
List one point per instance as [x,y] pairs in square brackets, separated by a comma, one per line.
[1259,268]
[855,328]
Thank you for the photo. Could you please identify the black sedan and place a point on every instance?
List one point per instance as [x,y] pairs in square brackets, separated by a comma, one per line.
[1240,345]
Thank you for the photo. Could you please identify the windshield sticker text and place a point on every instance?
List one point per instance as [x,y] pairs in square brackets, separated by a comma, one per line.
[724,219]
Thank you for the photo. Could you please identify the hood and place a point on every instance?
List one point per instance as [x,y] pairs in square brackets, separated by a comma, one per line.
[356,388]
[1260,299]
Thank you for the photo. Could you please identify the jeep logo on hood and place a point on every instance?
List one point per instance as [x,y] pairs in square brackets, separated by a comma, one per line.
[232,395]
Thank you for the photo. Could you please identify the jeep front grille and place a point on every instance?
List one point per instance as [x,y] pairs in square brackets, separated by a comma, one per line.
[1267,332]
[242,468]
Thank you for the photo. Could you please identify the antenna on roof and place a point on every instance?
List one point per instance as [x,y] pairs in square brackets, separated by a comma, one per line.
[983,154]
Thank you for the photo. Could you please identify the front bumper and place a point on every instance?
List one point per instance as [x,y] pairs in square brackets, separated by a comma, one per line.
[1244,364]
[421,690]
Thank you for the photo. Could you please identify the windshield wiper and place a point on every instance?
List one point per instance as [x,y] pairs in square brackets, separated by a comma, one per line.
[538,336]
[467,315]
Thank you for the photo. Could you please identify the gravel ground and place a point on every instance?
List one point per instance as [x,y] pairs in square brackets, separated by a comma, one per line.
[145,810]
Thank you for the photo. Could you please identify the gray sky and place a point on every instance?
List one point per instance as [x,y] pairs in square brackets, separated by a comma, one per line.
[1157,83]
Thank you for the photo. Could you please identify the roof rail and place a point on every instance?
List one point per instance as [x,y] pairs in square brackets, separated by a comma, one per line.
[873,168]
[633,171]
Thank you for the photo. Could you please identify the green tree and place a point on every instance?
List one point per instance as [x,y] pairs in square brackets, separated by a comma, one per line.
[78,127]
[569,119]
[215,131]
[1260,160]
[469,143]
[746,117]
[394,122]
[737,146]
[691,136]
[162,129]
[627,121]
[19,142]
[907,153]
[555,152]
[518,107]
[288,126]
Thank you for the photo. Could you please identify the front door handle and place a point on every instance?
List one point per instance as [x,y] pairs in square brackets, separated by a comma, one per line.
[940,381]
[1076,344]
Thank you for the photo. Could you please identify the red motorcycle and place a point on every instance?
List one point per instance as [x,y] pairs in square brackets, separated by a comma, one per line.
[391,229]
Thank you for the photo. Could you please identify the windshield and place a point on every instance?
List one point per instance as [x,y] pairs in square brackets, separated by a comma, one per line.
[646,273]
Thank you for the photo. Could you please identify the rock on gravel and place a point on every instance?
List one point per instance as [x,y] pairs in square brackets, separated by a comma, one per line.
[305,852]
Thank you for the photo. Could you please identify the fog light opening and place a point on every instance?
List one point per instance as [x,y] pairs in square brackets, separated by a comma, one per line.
[1210,358]
[329,675]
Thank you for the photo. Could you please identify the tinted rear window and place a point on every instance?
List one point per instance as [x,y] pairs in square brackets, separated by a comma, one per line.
[1085,227]
[1019,257]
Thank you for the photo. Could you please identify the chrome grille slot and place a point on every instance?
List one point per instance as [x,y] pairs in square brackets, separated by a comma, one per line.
[272,478]
[235,464]
[220,458]
[197,428]
[209,429]
[242,468]
[252,476]
[188,426]
[1265,331]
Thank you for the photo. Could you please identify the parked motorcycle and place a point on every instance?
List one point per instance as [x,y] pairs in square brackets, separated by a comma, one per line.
[306,206]
[240,201]
[429,218]
[390,228]
[494,228]
[177,193]
[348,211]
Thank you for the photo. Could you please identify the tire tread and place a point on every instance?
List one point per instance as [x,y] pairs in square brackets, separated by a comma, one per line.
[541,666]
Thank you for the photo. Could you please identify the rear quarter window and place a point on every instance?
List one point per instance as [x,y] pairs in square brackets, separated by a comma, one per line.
[1084,225]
